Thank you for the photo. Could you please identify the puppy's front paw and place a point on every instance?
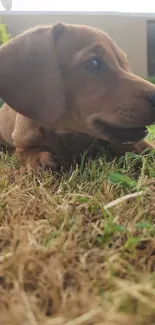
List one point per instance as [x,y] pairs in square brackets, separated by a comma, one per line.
[35,159]
[42,159]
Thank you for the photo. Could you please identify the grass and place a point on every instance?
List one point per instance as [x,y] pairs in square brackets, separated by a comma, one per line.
[66,259]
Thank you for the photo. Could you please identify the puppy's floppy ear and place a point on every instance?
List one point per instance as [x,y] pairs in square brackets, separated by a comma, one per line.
[30,80]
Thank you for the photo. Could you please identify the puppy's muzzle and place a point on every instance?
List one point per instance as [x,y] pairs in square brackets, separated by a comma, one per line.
[130,134]
[120,134]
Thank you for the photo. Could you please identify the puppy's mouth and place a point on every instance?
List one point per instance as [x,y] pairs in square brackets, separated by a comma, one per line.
[121,134]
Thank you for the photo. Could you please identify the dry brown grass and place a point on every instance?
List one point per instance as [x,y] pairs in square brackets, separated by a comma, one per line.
[64,259]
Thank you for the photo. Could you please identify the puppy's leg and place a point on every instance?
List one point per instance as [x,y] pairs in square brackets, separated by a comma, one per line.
[121,149]
[29,144]
[7,124]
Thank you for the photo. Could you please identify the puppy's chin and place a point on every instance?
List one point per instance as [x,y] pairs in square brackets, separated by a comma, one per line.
[119,134]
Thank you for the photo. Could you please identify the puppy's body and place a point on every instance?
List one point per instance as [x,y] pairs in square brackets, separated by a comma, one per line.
[28,139]
[66,86]
[41,146]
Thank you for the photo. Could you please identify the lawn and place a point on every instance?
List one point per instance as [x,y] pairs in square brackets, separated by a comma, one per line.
[68,259]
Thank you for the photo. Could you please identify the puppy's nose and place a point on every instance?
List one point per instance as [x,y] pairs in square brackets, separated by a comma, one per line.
[152,99]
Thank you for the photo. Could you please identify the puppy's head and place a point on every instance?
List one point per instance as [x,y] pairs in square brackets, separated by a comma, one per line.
[75,78]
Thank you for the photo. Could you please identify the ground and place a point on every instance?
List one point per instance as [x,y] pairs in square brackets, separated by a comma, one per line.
[66,258]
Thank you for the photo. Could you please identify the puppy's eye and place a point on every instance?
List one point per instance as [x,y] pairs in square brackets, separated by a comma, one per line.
[94,65]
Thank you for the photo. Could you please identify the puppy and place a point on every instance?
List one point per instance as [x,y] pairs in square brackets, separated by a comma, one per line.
[65,86]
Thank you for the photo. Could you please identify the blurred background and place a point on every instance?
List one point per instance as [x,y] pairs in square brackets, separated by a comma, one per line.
[131,24]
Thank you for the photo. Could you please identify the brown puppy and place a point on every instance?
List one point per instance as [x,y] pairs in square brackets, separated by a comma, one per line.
[63,80]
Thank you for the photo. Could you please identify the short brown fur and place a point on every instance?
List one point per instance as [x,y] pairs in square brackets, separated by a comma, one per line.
[65,86]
